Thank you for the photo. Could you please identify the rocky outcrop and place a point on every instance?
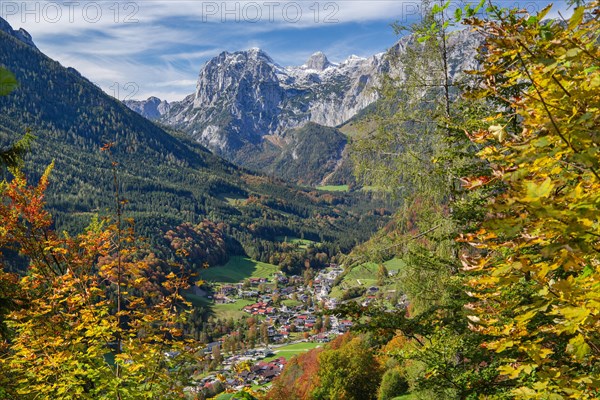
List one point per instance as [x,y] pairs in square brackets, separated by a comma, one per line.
[152,108]
[318,61]
[21,34]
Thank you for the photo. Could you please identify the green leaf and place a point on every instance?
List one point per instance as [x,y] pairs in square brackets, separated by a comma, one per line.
[572,53]
[532,20]
[458,14]
[8,82]
[543,141]
[591,69]
[587,271]
[546,32]
[576,18]
[540,16]
[503,345]
[479,6]
[575,315]
[437,9]
[536,191]
[578,347]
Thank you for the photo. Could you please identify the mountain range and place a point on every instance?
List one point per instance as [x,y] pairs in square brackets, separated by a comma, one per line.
[253,111]
[166,177]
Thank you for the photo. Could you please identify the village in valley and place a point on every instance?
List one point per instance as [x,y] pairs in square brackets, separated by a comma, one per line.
[290,314]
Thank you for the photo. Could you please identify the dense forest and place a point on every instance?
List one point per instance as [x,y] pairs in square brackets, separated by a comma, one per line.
[497,174]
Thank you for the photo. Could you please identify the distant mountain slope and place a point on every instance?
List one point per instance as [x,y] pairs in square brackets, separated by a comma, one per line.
[152,108]
[245,103]
[301,161]
[166,178]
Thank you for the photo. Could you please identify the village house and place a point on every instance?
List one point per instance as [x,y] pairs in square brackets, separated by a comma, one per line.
[228,290]
[260,307]
[220,298]
[344,325]
[257,281]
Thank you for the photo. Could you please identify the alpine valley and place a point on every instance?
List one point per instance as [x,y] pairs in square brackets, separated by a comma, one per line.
[168,180]
[418,224]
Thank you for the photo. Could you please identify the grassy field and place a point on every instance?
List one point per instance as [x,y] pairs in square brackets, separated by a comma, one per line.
[231,310]
[333,188]
[368,272]
[237,269]
[197,301]
[364,275]
[222,311]
[302,243]
[292,350]
[394,263]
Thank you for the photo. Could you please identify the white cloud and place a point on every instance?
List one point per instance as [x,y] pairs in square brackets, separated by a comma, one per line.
[160,45]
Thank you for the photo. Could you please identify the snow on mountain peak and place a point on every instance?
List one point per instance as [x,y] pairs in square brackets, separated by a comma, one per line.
[257,53]
[354,58]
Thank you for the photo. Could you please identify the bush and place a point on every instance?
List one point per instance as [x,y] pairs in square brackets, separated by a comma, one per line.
[393,384]
[353,293]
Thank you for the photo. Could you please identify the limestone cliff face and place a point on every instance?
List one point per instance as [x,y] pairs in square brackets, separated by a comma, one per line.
[245,102]
[152,108]
[244,96]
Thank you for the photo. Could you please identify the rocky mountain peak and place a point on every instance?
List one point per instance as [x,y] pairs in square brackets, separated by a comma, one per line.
[354,59]
[21,34]
[245,96]
[317,61]
[258,53]
[152,108]
[239,59]
[245,103]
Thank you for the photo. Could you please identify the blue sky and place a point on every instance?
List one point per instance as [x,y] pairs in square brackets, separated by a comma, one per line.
[134,49]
